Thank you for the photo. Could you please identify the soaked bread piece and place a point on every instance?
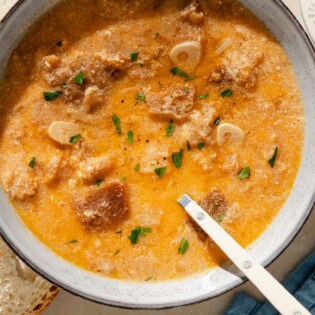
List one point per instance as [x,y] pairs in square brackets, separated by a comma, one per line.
[53,168]
[199,126]
[215,205]
[104,206]
[95,169]
[20,183]
[192,13]
[241,67]
[175,101]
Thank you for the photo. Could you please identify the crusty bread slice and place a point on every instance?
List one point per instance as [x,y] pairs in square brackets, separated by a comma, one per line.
[22,291]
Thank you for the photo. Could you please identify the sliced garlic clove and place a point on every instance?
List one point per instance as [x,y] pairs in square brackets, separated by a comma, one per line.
[62,131]
[186,54]
[234,133]
[224,46]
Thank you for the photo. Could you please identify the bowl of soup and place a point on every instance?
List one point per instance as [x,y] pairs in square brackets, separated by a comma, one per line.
[111,110]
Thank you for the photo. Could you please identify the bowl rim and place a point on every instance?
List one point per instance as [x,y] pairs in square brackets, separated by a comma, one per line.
[302,31]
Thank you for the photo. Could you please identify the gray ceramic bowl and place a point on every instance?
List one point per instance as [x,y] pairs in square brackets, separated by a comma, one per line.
[216,281]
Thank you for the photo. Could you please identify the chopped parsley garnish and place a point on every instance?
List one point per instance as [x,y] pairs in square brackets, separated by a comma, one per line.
[75,138]
[140,97]
[177,158]
[73,242]
[59,43]
[130,137]
[79,78]
[52,95]
[116,122]
[203,96]
[117,252]
[148,279]
[160,171]
[244,173]
[32,162]
[186,90]
[99,182]
[137,232]
[137,168]
[272,160]
[217,121]
[188,145]
[220,217]
[200,145]
[183,246]
[177,71]
[170,128]
[226,93]
[118,232]
[134,56]
[156,34]
[123,179]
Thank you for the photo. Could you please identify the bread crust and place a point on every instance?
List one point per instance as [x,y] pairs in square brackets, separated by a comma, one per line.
[47,299]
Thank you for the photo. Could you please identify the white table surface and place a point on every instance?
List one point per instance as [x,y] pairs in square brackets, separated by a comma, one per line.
[68,304]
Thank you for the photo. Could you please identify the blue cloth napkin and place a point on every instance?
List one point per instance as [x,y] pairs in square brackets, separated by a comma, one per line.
[300,283]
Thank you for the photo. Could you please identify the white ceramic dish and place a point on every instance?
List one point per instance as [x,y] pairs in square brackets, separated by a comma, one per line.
[216,281]
[308,11]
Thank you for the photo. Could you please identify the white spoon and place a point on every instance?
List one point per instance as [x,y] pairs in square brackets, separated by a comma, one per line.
[278,296]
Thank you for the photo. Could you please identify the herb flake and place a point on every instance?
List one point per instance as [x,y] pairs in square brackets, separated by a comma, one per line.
[51,96]
[123,179]
[217,121]
[137,233]
[59,43]
[32,162]
[244,173]
[137,168]
[99,182]
[170,129]
[180,72]
[72,242]
[200,145]
[134,56]
[220,217]
[79,78]
[160,171]
[140,97]
[74,139]
[177,158]
[227,93]
[116,122]
[148,279]
[183,246]
[203,96]
[130,137]
[272,160]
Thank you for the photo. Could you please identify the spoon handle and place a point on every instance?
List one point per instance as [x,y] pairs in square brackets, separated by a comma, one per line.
[278,296]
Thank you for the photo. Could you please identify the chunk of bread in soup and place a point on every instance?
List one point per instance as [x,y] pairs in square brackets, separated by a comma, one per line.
[110,110]
[104,206]
[175,101]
